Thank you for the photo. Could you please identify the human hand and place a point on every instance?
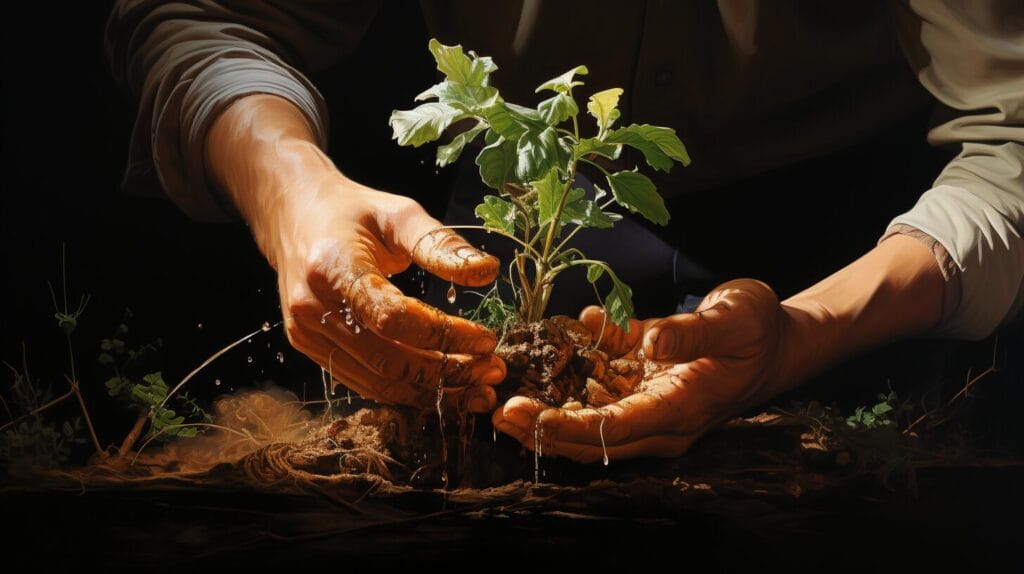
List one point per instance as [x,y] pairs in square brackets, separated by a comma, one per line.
[717,362]
[334,243]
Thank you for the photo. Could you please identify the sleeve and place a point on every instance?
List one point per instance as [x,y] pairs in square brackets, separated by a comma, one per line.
[970,55]
[184,62]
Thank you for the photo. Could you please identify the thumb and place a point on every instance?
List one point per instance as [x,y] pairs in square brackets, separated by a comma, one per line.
[687,336]
[443,252]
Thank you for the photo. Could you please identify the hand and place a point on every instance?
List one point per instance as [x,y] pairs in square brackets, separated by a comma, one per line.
[718,361]
[333,243]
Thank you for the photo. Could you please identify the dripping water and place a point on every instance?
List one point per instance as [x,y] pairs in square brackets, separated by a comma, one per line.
[213,357]
[451,293]
[440,426]
[604,448]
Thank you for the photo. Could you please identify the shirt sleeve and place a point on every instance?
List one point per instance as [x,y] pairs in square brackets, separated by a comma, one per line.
[970,56]
[184,62]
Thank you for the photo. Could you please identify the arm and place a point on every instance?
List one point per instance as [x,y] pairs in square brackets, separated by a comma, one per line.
[230,125]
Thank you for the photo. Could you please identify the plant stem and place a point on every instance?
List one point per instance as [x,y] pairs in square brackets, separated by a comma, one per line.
[491,230]
[133,435]
[85,415]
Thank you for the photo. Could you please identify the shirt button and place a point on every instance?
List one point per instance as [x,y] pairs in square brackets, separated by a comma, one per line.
[664,79]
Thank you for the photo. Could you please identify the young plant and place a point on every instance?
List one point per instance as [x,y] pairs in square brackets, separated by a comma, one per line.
[530,157]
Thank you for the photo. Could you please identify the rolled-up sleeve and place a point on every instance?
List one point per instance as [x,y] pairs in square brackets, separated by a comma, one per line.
[184,62]
[970,56]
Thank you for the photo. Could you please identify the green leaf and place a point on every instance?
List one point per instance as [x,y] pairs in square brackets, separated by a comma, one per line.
[549,190]
[881,408]
[585,212]
[659,145]
[537,153]
[470,99]
[619,303]
[511,121]
[122,329]
[594,272]
[423,124]
[604,107]
[594,146]
[637,193]
[106,345]
[564,82]
[497,214]
[105,359]
[558,108]
[497,162]
[457,67]
[447,154]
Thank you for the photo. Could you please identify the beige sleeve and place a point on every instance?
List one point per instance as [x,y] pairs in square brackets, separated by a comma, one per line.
[184,62]
[970,55]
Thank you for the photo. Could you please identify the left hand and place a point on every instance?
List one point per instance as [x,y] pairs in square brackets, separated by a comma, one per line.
[719,361]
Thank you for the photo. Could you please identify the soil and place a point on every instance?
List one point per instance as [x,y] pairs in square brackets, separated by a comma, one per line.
[553,360]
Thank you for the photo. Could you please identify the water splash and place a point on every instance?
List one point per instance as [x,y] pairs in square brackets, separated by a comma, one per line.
[214,357]
[604,448]
[451,293]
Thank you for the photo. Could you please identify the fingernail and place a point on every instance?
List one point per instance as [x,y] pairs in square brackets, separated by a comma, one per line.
[484,344]
[493,376]
[665,344]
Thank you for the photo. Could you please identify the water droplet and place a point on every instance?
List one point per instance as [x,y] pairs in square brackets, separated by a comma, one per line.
[249,341]
[323,318]
[348,319]
[389,275]
[600,429]
[348,395]
[460,312]
[494,434]
[199,326]
[356,329]
[216,382]
[280,357]
[248,359]
[451,293]
[266,326]
[483,247]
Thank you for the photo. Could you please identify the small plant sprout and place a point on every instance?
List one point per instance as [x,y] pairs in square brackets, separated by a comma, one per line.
[530,158]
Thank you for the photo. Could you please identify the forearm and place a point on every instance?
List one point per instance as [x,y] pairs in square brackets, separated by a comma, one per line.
[893,291]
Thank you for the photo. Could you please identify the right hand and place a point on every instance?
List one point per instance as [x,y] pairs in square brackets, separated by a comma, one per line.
[333,243]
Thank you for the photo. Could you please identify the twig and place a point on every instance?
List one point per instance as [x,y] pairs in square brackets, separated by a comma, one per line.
[36,410]
[962,393]
[85,414]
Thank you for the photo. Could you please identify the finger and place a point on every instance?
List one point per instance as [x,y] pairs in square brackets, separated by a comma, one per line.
[445,253]
[394,361]
[384,309]
[614,341]
[687,336]
[635,417]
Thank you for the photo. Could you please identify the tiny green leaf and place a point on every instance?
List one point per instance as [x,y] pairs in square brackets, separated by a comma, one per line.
[497,214]
[619,303]
[447,154]
[659,145]
[637,193]
[422,124]
[564,82]
[594,272]
[604,107]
